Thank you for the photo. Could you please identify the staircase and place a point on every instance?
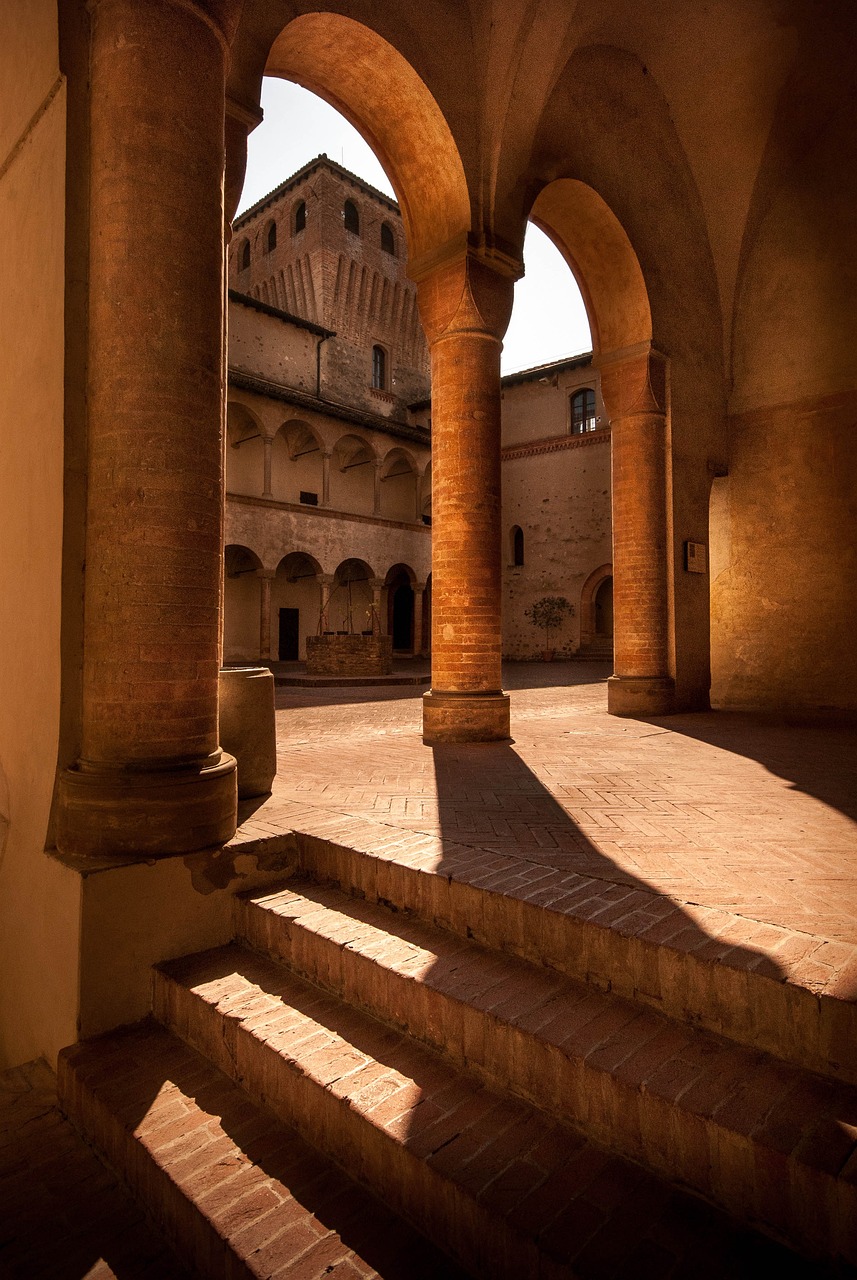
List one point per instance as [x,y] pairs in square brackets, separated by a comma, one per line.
[402,1070]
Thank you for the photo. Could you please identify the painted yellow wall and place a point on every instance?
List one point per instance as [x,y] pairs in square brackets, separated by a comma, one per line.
[39,900]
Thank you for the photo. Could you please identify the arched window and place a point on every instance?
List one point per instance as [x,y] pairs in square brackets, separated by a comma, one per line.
[517,545]
[583,412]
[272,237]
[300,217]
[388,240]
[245,255]
[379,368]
[351,217]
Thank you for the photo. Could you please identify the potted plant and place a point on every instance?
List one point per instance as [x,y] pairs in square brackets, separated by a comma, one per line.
[549,613]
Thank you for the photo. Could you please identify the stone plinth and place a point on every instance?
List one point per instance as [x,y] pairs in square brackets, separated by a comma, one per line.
[247,727]
[349,655]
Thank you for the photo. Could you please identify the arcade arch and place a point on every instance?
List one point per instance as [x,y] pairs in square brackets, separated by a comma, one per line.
[297,464]
[399,480]
[295,605]
[245,451]
[354,476]
[352,605]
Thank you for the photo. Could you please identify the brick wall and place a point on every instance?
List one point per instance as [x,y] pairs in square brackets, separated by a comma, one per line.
[349,655]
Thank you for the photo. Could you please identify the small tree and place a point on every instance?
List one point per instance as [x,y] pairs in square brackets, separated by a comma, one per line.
[549,613]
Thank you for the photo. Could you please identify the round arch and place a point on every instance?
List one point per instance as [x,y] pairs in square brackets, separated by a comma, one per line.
[353,476]
[602,259]
[366,79]
[245,452]
[295,604]
[588,594]
[297,467]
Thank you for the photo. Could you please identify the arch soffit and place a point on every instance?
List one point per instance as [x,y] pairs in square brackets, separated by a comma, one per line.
[239,560]
[397,570]
[242,423]
[399,455]
[602,259]
[366,79]
[353,570]
[298,564]
[300,437]
[348,449]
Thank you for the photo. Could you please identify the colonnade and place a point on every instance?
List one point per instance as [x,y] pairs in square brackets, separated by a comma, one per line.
[151,778]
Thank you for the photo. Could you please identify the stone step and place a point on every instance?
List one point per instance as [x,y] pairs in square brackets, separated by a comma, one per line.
[507,1189]
[239,1193]
[765,1140]
[693,964]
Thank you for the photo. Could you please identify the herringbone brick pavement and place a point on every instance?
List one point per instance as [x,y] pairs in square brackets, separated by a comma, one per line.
[730,816]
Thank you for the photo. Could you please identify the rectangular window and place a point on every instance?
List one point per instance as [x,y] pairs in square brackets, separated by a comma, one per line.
[309,499]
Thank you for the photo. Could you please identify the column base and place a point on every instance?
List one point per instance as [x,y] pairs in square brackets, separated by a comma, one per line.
[640,696]
[105,811]
[465,717]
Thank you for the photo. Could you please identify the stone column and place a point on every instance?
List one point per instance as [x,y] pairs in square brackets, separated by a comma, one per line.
[325,478]
[634,388]
[326,583]
[266,577]
[378,620]
[419,588]
[268,447]
[465,306]
[376,508]
[418,496]
[151,778]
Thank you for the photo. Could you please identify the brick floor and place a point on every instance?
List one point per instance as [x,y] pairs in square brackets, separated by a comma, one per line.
[63,1216]
[717,813]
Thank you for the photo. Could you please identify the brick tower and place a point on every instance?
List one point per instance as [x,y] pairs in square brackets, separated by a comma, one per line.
[327,247]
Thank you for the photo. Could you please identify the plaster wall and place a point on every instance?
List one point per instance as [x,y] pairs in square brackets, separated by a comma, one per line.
[539,408]
[272,531]
[272,348]
[561,500]
[39,901]
[241,618]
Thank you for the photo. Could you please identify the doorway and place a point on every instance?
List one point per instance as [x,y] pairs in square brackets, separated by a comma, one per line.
[403,617]
[289,646]
[604,610]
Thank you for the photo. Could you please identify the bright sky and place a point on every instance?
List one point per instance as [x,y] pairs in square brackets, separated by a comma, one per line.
[548,320]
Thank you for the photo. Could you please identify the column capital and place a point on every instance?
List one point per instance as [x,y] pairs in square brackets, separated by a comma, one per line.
[467,292]
[377,583]
[220,16]
[267,574]
[634,381]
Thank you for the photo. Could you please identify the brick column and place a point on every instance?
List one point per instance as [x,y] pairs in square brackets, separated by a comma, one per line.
[419,588]
[266,577]
[465,306]
[151,778]
[325,478]
[634,389]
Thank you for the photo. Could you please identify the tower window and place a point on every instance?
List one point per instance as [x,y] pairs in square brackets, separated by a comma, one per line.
[272,237]
[379,368]
[583,412]
[351,217]
[245,255]
[388,240]
[300,217]
[517,545]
